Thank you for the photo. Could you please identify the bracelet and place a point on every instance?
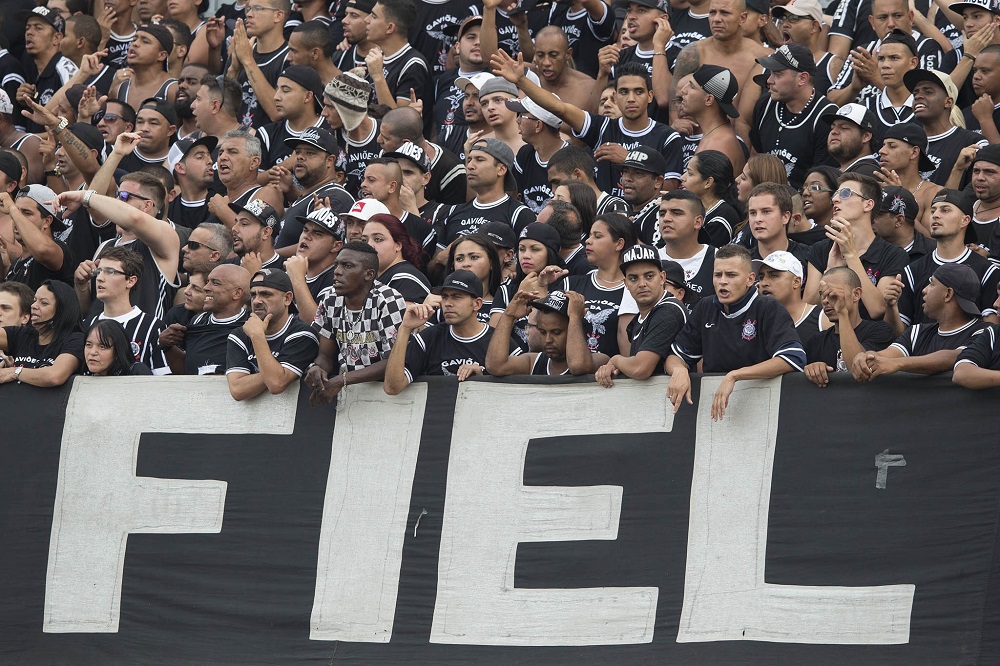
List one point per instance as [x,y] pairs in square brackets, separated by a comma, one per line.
[969,56]
[656,53]
[63,124]
[86,197]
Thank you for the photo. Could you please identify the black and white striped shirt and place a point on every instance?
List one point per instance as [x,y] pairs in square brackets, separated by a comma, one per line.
[143,332]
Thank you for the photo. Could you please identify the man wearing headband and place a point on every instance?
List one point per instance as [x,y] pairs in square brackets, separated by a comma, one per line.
[148,56]
[273,348]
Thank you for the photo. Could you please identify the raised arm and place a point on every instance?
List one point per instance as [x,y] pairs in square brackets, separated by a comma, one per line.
[38,243]
[417,314]
[579,358]
[513,70]
[499,362]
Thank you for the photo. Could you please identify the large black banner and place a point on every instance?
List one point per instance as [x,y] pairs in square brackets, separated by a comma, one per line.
[156,521]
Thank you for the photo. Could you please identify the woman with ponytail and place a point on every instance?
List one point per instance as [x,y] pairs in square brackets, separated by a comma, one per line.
[709,174]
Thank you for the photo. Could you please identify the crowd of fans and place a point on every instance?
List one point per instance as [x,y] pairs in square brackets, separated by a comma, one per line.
[374,190]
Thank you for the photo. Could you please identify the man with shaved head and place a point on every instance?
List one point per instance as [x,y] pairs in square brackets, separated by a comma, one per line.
[447,184]
[552,64]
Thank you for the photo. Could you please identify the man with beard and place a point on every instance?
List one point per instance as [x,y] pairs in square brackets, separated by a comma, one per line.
[192,166]
[46,69]
[314,157]
[985,227]
[187,87]
[253,235]
[147,60]
[850,139]
[642,184]
[448,95]
[273,348]
[355,26]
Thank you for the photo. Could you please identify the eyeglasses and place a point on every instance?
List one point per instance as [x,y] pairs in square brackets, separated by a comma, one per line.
[195,246]
[845,193]
[105,116]
[792,18]
[814,188]
[126,196]
[107,271]
[259,8]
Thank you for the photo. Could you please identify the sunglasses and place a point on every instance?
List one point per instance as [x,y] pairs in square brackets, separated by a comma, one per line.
[846,193]
[127,196]
[814,188]
[105,116]
[195,246]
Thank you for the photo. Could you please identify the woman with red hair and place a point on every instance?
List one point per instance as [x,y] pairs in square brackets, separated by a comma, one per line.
[398,257]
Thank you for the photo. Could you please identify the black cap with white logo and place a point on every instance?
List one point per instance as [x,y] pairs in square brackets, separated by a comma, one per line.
[462,280]
[645,158]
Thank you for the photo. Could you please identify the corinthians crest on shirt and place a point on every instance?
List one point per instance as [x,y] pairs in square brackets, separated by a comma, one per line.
[749,331]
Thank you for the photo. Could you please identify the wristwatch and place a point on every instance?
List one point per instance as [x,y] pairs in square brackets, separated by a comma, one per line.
[86,198]
[55,173]
[17,373]
[63,124]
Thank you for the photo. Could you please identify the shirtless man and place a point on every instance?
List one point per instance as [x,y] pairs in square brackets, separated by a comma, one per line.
[146,74]
[902,156]
[727,47]
[552,64]
[706,97]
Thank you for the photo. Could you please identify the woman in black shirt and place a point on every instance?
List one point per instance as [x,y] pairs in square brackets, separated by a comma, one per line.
[398,257]
[50,350]
[108,353]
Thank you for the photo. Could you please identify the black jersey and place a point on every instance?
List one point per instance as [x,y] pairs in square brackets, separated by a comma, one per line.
[438,350]
[647,222]
[103,80]
[866,165]
[340,202]
[453,138]
[850,20]
[918,274]
[586,36]
[576,262]
[985,233]
[24,350]
[295,346]
[532,177]
[470,217]
[143,334]
[921,246]
[407,70]
[136,161]
[419,229]
[972,124]
[598,130]
[153,293]
[206,342]
[542,366]
[320,282]
[404,277]
[33,273]
[188,213]
[798,140]
[11,76]
[271,65]
[179,315]
[447,111]
[358,155]
[983,350]
[447,183]
[824,78]
[273,136]
[808,325]
[943,150]
[656,331]
[756,328]
[117,48]
[923,339]
[433,32]
[56,73]
[879,260]
[886,115]
[688,28]
[698,269]
[720,221]
[608,203]
[602,306]
[519,333]
[349,59]
[161,93]
[825,347]
[810,236]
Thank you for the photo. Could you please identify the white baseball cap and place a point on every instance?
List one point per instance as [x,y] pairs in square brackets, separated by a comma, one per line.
[781,261]
[366,208]
[5,105]
[477,80]
[810,8]
[532,108]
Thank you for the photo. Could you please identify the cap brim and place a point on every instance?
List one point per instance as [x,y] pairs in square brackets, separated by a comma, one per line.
[772,64]
[915,76]
[293,141]
[924,163]
[438,290]
[728,108]
[302,220]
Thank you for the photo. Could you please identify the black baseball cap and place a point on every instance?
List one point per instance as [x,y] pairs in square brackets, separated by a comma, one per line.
[913,134]
[308,79]
[273,278]
[462,280]
[327,220]
[411,151]
[789,56]
[964,282]
[160,34]
[957,198]
[92,138]
[315,136]
[162,107]
[720,83]
[898,36]
[501,233]
[639,254]
[261,211]
[363,6]
[554,301]
[899,201]
[10,166]
[989,154]
[759,6]
[547,236]
[645,158]
[50,16]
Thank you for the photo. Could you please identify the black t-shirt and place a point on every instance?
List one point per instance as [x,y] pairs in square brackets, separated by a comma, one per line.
[320,282]
[407,70]
[56,73]
[918,274]
[798,140]
[598,130]
[688,28]
[404,277]
[271,64]
[920,247]
[923,339]
[577,263]
[295,346]
[647,222]
[983,351]
[825,347]
[756,329]
[358,154]
[273,136]
[11,76]
[943,150]
[808,237]
[447,112]
[532,177]
[24,350]
[698,270]
[33,273]
[448,181]
[585,35]
[136,161]
[188,213]
[601,308]
[720,220]
[880,259]
[656,331]
[434,19]
[117,48]
[437,350]
[807,327]
[205,342]
[179,315]
[470,217]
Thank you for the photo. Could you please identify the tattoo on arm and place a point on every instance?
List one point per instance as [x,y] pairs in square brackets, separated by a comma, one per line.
[688,60]
[70,139]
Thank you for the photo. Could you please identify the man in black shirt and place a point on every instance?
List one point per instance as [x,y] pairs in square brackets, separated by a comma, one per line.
[256,66]
[205,339]
[895,223]
[950,301]
[253,235]
[641,185]
[680,218]
[311,267]
[273,348]
[46,69]
[769,209]
[540,131]
[193,168]
[43,257]
[661,315]
[565,218]
[780,275]
[394,66]
[738,332]
[455,348]
[298,99]
[852,128]
[788,122]
[851,242]
[575,163]
[834,349]
[447,183]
